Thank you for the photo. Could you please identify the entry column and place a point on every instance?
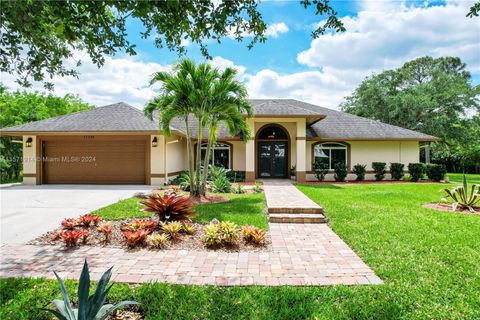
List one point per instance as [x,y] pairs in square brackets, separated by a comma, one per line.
[301,151]
[250,153]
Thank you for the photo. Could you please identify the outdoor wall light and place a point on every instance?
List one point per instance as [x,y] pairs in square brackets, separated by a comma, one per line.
[28,143]
[154,142]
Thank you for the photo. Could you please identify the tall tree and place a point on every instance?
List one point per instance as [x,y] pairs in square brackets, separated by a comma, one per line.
[20,107]
[201,96]
[434,96]
[39,35]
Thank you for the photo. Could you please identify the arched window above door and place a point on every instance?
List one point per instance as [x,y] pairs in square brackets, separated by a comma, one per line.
[272,133]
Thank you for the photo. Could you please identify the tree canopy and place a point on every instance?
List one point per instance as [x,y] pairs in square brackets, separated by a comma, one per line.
[433,96]
[39,35]
[20,107]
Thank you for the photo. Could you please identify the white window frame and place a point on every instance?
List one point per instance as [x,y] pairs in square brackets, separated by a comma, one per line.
[338,146]
[218,146]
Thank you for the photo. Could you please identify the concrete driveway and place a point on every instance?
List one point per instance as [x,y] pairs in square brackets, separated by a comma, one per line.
[29,211]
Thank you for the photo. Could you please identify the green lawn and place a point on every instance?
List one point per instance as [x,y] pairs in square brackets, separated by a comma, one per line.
[242,209]
[429,261]
[458,178]
[6,181]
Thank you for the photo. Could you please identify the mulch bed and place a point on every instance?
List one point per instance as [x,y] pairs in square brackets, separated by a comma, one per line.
[448,207]
[116,239]
[125,315]
[370,182]
[209,199]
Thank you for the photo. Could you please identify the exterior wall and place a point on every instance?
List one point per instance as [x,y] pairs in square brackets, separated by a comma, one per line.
[366,152]
[157,160]
[30,161]
[238,155]
[176,156]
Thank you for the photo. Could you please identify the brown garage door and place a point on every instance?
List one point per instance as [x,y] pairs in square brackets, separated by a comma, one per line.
[94,160]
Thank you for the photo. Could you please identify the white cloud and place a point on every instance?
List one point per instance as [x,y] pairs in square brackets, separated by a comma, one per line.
[118,80]
[222,63]
[274,30]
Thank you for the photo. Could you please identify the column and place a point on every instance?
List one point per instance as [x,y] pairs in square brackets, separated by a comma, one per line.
[157,160]
[30,160]
[250,154]
[301,150]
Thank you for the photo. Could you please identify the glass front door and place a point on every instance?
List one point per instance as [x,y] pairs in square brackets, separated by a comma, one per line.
[272,159]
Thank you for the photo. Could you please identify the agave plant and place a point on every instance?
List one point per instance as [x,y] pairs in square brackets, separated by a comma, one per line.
[90,307]
[461,197]
[169,207]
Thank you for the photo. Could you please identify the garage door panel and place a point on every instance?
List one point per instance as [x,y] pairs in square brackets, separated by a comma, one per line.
[91,161]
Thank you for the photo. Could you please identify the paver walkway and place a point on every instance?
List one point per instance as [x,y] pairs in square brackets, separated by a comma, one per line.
[302,254]
[282,195]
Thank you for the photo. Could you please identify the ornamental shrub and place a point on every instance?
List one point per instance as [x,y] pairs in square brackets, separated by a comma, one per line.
[359,170]
[396,170]
[340,172]
[436,172]
[320,169]
[379,170]
[417,170]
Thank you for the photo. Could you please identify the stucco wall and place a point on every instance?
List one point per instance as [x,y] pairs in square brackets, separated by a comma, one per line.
[366,152]
[238,156]
[176,155]
[30,161]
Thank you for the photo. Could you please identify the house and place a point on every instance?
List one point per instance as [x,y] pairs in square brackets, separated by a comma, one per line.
[117,144]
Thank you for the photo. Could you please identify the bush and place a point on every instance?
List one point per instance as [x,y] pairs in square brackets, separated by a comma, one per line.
[169,207]
[239,189]
[211,235]
[436,172]
[178,179]
[257,187]
[188,228]
[172,229]
[156,240]
[252,234]
[340,172]
[461,197]
[228,232]
[320,169]
[236,176]
[359,170]
[416,170]
[407,178]
[215,173]
[379,170]
[221,185]
[396,170]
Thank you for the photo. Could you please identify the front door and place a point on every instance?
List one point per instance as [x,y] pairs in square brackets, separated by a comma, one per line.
[272,159]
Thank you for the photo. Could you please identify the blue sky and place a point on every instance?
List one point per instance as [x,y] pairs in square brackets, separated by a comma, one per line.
[380,35]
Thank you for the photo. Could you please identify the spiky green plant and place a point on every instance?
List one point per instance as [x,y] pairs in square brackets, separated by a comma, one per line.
[461,197]
[90,307]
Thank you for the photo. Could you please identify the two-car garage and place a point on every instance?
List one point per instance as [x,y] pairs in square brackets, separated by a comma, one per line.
[93,159]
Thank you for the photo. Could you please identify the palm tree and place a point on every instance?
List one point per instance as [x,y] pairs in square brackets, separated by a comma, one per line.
[208,96]
[227,105]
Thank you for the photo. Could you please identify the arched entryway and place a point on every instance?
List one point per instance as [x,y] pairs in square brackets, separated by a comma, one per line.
[273,143]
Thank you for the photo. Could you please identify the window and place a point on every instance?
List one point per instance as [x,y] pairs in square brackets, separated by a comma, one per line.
[219,156]
[330,154]
[272,133]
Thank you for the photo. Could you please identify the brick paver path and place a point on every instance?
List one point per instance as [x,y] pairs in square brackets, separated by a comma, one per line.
[302,254]
[281,194]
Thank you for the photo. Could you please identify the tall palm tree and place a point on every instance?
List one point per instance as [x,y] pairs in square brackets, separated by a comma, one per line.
[208,96]
[227,105]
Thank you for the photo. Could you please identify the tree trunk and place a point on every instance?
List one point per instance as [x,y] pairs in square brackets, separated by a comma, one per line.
[199,157]
[189,155]
[205,165]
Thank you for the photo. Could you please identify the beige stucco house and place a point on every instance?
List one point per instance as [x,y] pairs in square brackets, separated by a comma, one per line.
[117,144]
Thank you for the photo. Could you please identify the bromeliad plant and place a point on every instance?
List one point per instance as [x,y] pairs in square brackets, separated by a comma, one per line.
[70,237]
[169,207]
[462,197]
[88,219]
[90,307]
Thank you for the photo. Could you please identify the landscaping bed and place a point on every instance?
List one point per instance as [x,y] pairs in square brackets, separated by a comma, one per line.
[448,207]
[182,240]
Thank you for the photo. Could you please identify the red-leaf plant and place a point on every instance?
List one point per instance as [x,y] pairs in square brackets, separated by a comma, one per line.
[88,219]
[106,229]
[139,224]
[134,238]
[70,223]
[70,237]
[169,207]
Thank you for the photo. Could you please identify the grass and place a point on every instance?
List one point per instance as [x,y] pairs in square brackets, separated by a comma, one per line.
[428,260]
[6,181]
[458,178]
[242,209]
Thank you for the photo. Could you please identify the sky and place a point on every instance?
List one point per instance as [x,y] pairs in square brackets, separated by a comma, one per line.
[380,35]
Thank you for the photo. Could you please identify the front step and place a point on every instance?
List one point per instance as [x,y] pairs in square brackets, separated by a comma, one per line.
[311,210]
[297,217]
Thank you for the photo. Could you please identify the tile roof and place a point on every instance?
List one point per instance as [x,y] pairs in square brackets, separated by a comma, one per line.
[122,117]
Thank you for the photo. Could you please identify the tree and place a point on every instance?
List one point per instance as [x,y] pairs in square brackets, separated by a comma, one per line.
[202,97]
[20,107]
[433,96]
[474,10]
[39,35]
[227,105]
